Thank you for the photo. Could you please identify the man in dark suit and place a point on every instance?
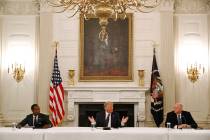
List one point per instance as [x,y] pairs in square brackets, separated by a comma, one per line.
[180,119]
[108,118]
[36,119]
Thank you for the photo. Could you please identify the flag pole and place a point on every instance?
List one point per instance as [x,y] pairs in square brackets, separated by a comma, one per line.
[154,47]
[56,44]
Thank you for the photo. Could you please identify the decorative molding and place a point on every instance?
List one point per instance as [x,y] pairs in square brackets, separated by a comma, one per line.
[1,116]
[34,6]
[208,6]
[208,117]
[191,6]
[44,7]
[19,7]
[167,5]
[2,5]
[1,119]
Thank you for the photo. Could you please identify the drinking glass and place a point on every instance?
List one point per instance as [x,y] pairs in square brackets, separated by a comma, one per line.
[168,125]
[14,125]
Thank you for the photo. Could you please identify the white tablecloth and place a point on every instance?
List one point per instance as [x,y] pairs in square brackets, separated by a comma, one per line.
[99,134]
[189,134]
[20,134]
[85,133]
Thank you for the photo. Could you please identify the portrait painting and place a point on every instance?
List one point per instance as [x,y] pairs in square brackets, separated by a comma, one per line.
[108,60]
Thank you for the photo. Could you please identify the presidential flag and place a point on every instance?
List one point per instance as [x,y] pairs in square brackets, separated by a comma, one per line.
[156,90]
[56,98]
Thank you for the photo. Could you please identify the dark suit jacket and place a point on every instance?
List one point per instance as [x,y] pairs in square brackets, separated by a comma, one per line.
[115,119]
[42,120]
[186,119]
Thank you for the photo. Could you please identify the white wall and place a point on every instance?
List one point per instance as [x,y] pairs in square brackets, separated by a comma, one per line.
[191,48]
[16,98]
[46,54]
[0,57]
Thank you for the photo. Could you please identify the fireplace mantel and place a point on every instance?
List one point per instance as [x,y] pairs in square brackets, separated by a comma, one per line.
[130,95]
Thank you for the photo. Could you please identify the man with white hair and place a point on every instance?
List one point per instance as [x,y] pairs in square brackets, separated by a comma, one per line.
[179,118]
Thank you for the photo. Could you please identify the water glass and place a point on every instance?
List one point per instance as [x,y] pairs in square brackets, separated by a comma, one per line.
[14,125]
[93,126]
[168,125]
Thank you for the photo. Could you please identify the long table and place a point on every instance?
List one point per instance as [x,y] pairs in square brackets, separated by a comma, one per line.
[191,134]
[7,133]
[99,134]
[85,133]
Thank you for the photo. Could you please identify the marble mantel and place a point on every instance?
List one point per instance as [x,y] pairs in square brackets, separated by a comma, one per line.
[129,95]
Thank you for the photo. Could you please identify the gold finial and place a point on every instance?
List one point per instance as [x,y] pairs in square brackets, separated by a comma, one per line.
[56,44]
[71,77]
[141,74]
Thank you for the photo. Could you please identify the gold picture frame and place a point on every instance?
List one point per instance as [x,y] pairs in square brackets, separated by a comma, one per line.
[110,60]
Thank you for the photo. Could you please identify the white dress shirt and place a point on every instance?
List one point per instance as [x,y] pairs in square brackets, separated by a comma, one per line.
[35,119]
[109,123]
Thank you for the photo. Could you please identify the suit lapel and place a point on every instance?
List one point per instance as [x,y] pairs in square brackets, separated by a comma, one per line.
[31,120]
[112,119]
[104,116]
[175,118]
[103,119]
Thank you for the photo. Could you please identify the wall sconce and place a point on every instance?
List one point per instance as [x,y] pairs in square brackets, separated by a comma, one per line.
[17,71]
[71,76]
[193,72]
[141,77]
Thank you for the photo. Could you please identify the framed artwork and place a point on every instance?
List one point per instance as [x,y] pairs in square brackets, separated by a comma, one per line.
[109,60]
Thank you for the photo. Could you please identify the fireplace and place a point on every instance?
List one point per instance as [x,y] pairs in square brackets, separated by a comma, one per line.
[86,110]
[85,101]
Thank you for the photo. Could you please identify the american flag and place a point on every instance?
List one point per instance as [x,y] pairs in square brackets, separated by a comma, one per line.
[56,94]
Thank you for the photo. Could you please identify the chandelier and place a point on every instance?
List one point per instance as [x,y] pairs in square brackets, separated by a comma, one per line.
[104,9]
[194,71]
[17,71]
